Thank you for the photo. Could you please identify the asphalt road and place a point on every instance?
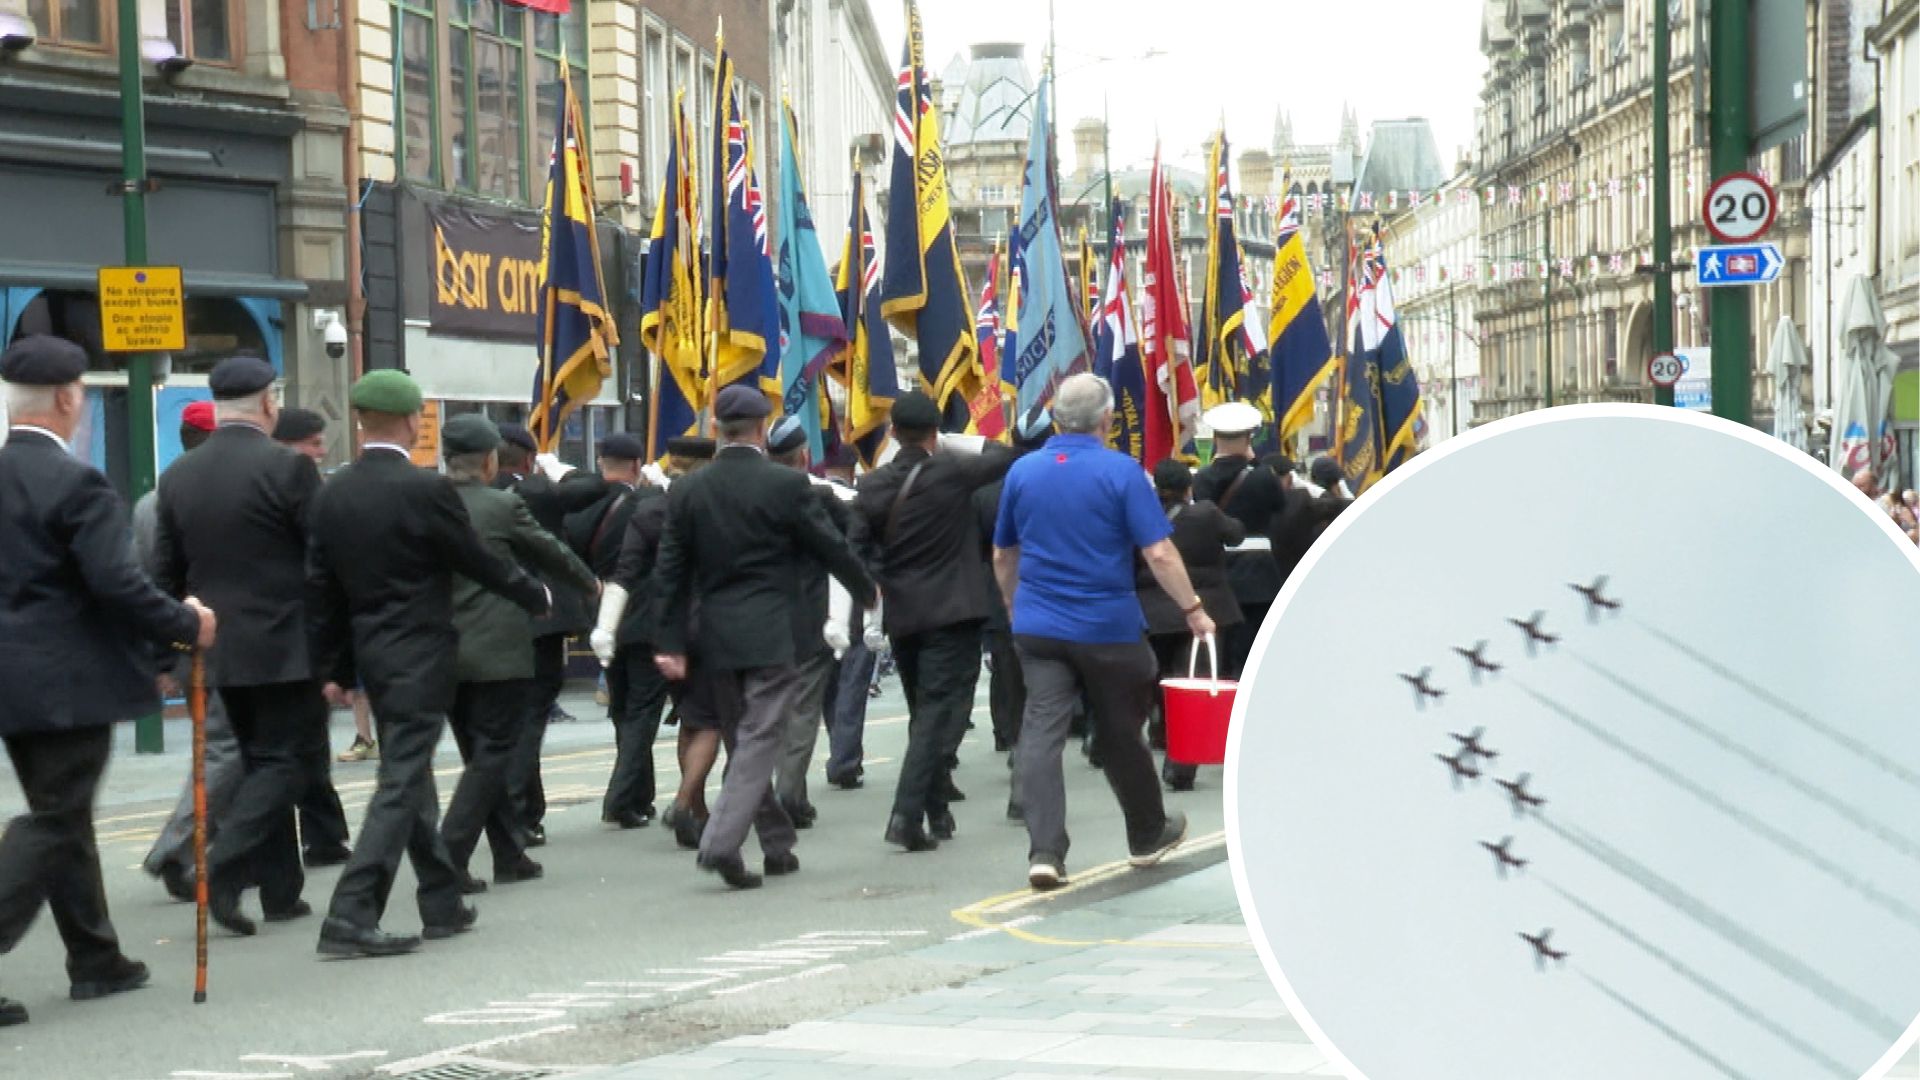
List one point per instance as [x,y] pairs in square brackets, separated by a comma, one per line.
[624,950]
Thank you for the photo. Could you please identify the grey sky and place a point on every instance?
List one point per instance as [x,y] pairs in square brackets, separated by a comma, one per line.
[1763,870]
[1390,58]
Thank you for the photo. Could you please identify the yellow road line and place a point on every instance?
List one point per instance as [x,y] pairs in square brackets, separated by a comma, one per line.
[978,914]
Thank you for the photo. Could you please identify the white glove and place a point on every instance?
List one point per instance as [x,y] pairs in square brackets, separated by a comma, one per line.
[837,638]
[613,605]
[551,464]
[875,638]
[966,444]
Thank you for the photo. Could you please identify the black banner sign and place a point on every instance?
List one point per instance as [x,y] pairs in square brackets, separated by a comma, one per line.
[486,276]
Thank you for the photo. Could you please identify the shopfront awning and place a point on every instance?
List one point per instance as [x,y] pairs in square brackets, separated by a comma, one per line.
[198,282]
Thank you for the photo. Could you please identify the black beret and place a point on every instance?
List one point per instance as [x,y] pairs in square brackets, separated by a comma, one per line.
[42,360]
[297,424]
[1326,472]
[469,433]
[520,437]
[691,446]
[741,403]
[915,411]
[621,446]
[239,376]
[787,436]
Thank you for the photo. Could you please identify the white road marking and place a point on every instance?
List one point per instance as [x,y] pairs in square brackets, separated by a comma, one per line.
[312,1062]
[440,1056]
[969,935]
[763,983]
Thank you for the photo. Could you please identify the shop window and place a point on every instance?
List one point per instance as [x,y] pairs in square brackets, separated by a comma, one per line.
[216,329]
[80,23]
[203,29]
[416,119]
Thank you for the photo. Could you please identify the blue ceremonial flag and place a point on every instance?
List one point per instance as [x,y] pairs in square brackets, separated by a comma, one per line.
[810,326]
[1380,406]
[1228,361]
[1301,350]
[1116,348]
[577,335]
[866,366]
[743,307]
[924,291]
[1400,413]
[670,300]
[1052,342]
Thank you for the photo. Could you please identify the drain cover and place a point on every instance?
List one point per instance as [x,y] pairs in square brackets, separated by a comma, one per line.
[471,1070]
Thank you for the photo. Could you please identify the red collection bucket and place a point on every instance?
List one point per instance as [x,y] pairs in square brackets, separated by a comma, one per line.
[1198,711]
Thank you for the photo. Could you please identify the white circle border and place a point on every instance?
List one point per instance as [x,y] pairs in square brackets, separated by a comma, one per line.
[1236,842]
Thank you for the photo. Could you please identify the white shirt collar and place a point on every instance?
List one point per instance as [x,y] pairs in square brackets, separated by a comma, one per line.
[746,446]
[62,443]
[395,447]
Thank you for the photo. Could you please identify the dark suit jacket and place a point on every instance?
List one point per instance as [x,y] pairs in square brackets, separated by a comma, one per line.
[232,530]
[550,503]
[496,637]
[634,573]
[1254,574]
[736,532]
[80,625]
[933,573]
[597,532]
[1202,534]
[388,537]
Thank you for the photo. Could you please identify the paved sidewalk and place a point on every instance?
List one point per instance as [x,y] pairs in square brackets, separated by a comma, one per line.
[1160,983]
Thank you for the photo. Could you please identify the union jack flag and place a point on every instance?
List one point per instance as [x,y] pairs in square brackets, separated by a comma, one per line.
[742,185]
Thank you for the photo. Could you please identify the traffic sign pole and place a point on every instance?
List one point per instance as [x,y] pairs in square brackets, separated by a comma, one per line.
[1662,193]
[148,732]
[1730,127]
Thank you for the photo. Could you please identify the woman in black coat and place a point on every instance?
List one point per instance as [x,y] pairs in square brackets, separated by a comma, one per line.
[1202,533]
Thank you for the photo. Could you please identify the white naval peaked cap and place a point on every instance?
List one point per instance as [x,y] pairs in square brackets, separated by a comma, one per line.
[1232,418]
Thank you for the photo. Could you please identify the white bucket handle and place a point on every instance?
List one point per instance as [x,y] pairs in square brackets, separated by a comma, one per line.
[1213,664]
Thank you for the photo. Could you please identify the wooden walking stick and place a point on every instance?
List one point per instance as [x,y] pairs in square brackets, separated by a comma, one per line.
[197,706]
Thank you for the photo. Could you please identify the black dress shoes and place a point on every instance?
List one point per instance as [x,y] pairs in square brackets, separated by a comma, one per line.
[117,977]
[733,871]
[780,865]
[628,819]
[687,829]
[850,781]
[179,882]
[299,909]
[514,873]
[12,1012]
[950,793]
[318,858]
[536,836]
[462,922]
[909,834]
[224,905]
[338,937]
[941,825]
[803,815]
[471,886]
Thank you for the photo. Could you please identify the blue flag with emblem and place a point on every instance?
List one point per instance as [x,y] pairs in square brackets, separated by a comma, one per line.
[1230,363]
[811,330]
[1116,348]
[743,308]
[670,301]
[1052,342]
[1301,349]
[865,366]
[577,335]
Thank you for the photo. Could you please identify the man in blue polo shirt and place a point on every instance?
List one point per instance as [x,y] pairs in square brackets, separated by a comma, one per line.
[1071,517]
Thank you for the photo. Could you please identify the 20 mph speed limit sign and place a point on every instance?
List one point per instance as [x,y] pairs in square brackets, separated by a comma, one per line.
[1665,370]
[1740,207]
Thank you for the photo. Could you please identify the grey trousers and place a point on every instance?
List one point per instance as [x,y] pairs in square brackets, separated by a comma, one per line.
[1119,682]
[174,846]
[754,706]
[803,729]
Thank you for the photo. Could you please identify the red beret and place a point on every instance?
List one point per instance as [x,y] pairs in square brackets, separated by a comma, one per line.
[198,415]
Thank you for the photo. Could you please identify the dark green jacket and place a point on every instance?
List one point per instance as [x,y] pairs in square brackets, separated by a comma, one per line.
[496,638]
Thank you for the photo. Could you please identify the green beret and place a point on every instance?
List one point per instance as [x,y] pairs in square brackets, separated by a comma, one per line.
[388,390]
[469,433]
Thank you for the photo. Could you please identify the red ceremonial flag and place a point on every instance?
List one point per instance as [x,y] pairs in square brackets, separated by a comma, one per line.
[551,7]
[989,405]
[1173,397]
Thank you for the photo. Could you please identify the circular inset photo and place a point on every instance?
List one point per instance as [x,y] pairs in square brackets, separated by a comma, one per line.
[1586,747]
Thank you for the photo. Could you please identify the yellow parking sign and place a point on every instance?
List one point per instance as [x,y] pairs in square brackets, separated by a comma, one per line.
[142,309]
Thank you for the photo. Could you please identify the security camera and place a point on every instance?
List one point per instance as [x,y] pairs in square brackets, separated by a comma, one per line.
[333,331]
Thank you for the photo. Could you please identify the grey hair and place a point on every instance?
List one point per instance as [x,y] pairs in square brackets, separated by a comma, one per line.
[242,408]
[24,400]
[468,466]
[1081,402]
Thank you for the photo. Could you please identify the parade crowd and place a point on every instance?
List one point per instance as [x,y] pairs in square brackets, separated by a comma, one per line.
[737,590]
